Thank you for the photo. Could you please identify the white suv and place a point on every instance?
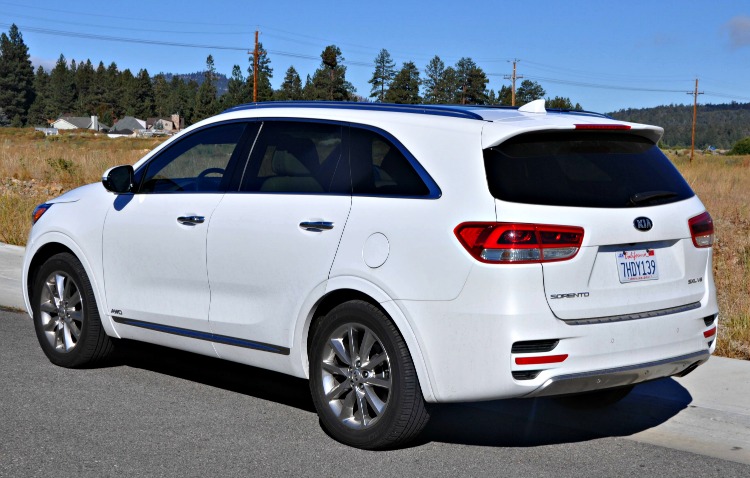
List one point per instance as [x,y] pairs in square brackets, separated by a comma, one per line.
[392,254]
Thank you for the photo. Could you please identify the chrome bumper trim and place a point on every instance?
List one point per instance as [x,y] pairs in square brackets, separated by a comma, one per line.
[621,376]
[636,316]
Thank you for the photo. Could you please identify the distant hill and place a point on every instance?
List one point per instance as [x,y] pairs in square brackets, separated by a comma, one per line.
[221,79]
[719,126]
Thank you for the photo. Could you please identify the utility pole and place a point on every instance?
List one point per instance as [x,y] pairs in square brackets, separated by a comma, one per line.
[255,54]
[255,69]
[513,79]
[695,115]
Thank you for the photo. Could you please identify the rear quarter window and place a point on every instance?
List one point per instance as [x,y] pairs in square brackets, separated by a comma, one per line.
[604,170]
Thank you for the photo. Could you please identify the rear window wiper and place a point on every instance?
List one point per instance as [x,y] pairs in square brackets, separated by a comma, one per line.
[648,196]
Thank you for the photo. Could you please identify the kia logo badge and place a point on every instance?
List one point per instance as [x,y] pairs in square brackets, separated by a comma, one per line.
[642,223]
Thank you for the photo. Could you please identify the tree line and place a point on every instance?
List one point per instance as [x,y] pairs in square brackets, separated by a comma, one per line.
[29,97]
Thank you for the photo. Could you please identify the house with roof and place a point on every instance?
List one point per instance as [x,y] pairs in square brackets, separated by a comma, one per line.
[166,125]
[127,126]
[79,122]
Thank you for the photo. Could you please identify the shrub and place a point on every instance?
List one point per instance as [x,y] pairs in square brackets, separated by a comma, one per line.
[741,147]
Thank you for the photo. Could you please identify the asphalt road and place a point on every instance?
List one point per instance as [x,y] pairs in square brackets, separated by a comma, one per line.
[159,412]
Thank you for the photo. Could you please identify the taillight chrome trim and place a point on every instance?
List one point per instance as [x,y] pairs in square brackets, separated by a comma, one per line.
[702,230]
[519,243]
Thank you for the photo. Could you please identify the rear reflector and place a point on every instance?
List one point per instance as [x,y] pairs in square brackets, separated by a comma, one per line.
[702,230]
[608,127]
[509,243]
[541,360]
[710,332]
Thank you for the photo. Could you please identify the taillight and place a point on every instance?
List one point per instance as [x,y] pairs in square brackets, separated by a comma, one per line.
[702,230]
[39,212]
[503,243]
[599,127]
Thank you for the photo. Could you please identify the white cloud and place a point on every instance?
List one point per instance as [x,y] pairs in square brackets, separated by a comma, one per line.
[738,29]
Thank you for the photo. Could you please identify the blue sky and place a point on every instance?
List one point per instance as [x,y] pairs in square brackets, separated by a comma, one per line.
[604,55]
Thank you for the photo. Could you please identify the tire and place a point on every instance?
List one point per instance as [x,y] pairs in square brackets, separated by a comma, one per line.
[597,399]
[67,323]
[368,399]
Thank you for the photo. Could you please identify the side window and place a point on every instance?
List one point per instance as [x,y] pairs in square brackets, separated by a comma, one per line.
[297,157]
[197,163]
[379,168]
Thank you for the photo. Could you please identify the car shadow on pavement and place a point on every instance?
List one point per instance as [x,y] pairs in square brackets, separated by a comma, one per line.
[502,423]
[214,372]
[547,421]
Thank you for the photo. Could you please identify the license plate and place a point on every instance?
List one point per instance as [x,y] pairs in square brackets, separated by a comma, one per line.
[634,266]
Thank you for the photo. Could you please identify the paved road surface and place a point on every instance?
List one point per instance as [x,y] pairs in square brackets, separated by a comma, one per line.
[158,412]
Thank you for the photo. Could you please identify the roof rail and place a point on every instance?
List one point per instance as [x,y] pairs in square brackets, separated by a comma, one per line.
[438,110]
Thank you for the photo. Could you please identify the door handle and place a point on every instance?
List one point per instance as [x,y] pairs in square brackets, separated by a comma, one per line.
[316,226]
[191,220]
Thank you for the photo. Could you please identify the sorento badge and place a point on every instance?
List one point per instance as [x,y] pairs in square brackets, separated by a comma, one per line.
[642,223]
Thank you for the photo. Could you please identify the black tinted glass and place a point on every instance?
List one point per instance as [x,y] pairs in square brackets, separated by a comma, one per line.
[298,157]
[583,170]
[196,163]
[379,168]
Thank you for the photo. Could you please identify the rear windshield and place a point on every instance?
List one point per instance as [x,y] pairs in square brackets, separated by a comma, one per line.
[583,169]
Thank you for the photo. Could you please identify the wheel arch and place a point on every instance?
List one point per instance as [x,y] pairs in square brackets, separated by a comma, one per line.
[47,246]
[344,289]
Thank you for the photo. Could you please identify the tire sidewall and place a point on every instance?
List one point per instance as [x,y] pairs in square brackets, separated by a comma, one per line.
[359,313]
[68,264]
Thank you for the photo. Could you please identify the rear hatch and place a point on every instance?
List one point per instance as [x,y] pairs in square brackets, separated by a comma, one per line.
[637,257]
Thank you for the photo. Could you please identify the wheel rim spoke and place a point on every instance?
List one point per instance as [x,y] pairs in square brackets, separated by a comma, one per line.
[375,402]
[347,409]
[335,370]
[362,415]
[60,285]
[339,390]
[48,308]
[368,340]
[75,332]
[375,361]
[74,299]
[353,349]
[378,382]
[338,348]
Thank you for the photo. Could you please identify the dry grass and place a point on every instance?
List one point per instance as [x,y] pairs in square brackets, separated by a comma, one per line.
[34,169]
[723,184]
[45,167]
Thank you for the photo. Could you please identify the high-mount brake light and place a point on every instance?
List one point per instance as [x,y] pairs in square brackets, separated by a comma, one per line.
[513,243]
[609,127]
[702,230]
[39,212]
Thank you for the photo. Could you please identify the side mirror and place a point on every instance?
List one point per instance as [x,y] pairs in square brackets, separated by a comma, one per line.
[118,179]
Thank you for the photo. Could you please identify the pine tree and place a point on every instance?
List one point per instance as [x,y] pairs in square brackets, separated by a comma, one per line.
[84,81]
[528,92]
[205,102]
[128,94]
[329,81]
[434,82]
[405,86]
[237,92]
[472,83]
[163,106]
[16,76]
[41,111]
[291,88]
[383,75]
[265,73]
[144,95]
[61,88]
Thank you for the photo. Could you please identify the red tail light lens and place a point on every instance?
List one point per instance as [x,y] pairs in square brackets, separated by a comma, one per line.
[503,243]
[702,230]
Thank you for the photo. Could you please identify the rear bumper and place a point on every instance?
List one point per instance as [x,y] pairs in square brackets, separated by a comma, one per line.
[621,376]
[488,343]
